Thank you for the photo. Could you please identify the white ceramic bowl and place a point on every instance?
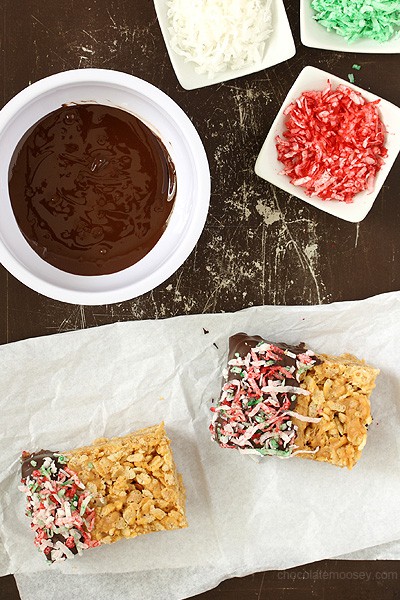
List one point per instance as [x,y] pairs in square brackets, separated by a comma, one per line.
[188,216]
[269,167]
[314,35]
[279,47]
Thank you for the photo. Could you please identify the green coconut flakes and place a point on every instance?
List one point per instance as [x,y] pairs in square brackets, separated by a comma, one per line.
[377,20]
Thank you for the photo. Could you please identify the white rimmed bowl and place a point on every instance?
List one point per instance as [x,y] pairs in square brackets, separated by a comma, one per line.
[269,167]
[178,134]
[279,47]
[314,35]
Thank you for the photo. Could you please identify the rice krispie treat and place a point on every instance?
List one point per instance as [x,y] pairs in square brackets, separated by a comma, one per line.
[339,390]
[116,488]
[286,400]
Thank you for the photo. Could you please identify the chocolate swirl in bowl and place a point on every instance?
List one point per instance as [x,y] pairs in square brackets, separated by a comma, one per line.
[92,189]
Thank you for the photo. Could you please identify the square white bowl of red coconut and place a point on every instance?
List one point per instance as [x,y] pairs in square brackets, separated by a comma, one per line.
[332,145]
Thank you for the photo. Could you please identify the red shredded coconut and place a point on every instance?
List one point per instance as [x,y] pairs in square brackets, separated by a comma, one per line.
[254,411]
[54,496]
[334,143]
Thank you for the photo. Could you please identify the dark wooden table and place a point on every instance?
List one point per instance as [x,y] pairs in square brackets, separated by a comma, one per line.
[259,245]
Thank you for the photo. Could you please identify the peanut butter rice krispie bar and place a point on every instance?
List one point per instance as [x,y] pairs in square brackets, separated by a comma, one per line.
[116,488]
[288,401]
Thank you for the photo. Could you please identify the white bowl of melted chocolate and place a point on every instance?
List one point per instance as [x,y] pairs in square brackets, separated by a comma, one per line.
[92,188]
[104,186]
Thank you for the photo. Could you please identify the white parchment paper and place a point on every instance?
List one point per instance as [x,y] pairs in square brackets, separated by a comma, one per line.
[65,390]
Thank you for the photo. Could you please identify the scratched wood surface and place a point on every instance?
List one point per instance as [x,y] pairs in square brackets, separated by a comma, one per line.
[259,246]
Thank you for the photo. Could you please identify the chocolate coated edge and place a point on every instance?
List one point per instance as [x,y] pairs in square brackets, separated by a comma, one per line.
[38,457]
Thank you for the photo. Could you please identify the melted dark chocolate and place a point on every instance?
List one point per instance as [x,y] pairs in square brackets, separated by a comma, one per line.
[92,188]
[242,344]
[37,457]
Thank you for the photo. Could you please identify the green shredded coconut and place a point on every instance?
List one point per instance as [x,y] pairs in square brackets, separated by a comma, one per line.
[90,465]
[356,67]
[45,472]
[67,482]
[254,402]
[273,452]
[84,505]
[377,20]
[351,77]
[33,463]
[303,369]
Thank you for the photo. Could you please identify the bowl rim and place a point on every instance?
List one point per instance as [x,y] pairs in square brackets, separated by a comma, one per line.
[203,190]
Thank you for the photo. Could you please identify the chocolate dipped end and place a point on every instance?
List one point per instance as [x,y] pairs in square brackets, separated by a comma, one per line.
[57,504]
[35,460]
[259,395]
[242,343]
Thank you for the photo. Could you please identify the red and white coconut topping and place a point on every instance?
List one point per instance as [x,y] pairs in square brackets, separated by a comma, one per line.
[255,410]
[334,143]
[58,505]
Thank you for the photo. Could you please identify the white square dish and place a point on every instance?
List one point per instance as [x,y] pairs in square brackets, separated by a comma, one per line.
[269,167]
[279,47]
[314,35]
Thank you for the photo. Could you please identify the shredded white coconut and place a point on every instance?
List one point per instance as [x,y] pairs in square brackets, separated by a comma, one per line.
[220,34]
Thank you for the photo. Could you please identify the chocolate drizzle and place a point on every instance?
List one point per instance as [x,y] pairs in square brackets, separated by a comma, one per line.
[92,188]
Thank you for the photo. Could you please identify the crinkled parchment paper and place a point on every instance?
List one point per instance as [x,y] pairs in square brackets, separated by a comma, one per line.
[65,390]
